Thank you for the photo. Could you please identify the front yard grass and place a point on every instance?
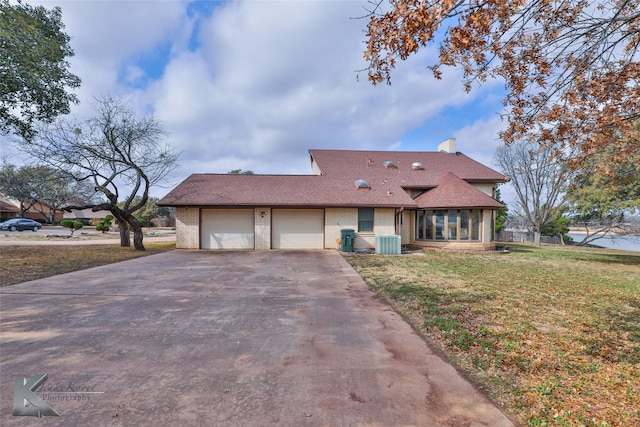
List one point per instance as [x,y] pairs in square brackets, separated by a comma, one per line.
[553,333]
[23,263]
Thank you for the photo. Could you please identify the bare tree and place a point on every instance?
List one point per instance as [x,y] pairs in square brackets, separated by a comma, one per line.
[121,155]
[539,179]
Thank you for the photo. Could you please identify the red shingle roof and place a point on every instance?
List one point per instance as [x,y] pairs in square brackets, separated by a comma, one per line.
[279,190]
[452,192]
[336,184]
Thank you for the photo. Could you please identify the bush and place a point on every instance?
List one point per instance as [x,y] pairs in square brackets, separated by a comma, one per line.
[72,225]
[105,223]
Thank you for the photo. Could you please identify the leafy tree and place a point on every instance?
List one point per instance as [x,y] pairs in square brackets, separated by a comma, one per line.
[571,68]
[34,71]
[105,224]
[19,184]
[120,154]
[558,225]
[599,202]
[72,225]
[502,214]
[40,187]
[539,181]
[240,172]
[147,212]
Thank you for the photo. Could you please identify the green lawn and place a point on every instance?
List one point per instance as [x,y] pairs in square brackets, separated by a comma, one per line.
[552,333]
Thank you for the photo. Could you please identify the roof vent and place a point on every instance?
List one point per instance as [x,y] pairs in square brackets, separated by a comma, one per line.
[390,165]
[417,166]
[361,184]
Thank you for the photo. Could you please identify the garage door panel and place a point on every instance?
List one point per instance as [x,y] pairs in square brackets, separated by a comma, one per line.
[228,229]
[298,229]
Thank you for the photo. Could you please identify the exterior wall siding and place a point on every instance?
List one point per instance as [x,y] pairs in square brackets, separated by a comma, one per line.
[335,219]
[188,228]
[487,189]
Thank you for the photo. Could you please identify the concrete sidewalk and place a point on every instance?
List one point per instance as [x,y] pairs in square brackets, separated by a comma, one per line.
[284,338]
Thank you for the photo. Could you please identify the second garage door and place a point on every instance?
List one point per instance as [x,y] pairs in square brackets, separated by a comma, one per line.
[227,229]
[297,229]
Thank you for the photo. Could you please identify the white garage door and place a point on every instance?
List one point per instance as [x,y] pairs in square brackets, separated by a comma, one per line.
[297,229]
[227,229]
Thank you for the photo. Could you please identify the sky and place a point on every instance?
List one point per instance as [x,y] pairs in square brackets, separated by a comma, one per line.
[254,85]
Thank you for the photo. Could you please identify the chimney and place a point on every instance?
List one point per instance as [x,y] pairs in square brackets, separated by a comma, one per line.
[448,146]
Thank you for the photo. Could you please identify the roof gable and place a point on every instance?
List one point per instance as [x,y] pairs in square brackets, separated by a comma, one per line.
[453,192]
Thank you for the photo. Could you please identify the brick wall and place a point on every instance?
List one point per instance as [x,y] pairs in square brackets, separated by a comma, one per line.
[188,228]
[263,228]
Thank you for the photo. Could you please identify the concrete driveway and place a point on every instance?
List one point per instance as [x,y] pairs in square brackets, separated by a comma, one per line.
[286,338]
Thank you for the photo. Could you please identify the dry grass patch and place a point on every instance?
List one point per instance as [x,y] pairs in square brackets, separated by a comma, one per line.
[23,263]
[553,333]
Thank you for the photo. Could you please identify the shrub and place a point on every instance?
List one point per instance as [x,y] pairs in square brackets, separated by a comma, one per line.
[72,225]
[105,223]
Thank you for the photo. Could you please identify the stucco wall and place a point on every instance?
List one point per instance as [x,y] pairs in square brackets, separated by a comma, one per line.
[337,219]
[188,228]
[485,188]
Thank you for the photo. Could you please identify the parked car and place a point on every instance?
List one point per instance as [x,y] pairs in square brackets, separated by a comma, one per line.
[20,224]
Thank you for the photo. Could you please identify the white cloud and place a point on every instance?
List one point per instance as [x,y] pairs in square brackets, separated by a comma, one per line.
[267,80]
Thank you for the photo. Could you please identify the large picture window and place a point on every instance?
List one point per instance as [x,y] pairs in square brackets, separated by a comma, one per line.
[365,220]
[451,224]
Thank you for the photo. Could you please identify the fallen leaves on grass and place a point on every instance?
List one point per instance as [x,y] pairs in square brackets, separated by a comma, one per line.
[553,333]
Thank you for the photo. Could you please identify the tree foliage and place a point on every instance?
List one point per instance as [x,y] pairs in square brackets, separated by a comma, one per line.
[539,180]
[599,202]
[40,187]
[240,172]
[557,225]
[34,71]
[571,68]
[71,225]
[121,155]
[147,212]
[105,224]
[501,214]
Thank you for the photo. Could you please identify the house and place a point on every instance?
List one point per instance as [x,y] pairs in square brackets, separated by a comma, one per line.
[440,199]
[10,208]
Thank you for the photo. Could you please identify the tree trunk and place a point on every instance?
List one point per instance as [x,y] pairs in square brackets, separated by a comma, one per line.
[561,239]
[125,241]
[137,232]
[536,238]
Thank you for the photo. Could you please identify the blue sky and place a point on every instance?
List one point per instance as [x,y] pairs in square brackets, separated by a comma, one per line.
[255,84]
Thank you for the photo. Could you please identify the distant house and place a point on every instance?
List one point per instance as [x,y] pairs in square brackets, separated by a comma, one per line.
[77,214]
[10,208]
[440,199]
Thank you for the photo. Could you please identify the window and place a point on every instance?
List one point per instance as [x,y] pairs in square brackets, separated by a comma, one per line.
[451,224]
[365,220]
